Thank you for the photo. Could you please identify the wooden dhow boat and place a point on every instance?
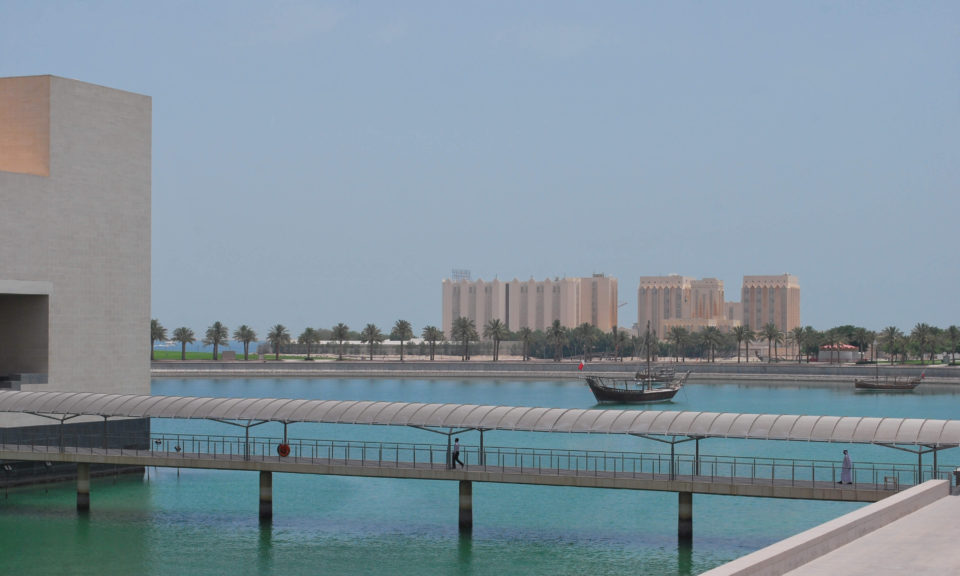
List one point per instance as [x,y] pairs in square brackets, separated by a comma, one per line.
[888,383]
[652,384]
[657,385]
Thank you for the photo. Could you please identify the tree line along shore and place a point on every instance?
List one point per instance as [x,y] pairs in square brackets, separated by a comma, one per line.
[923,345]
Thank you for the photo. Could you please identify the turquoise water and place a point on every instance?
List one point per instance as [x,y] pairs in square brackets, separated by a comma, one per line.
[205,522]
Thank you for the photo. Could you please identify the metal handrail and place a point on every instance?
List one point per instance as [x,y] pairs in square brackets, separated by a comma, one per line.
[506,460]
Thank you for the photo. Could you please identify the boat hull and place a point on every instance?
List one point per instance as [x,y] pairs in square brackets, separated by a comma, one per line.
[865,384]
[642,394]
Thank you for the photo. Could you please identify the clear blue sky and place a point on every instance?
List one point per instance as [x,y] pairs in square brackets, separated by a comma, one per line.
[316,163]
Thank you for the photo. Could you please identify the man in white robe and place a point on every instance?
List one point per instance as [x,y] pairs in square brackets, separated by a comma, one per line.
[846,471]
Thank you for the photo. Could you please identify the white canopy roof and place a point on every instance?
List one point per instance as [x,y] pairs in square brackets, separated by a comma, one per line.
[851,429]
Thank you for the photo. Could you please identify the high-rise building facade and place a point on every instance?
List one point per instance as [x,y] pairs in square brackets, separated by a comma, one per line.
[662,298]
[668,301]
[534,304]
[771,299]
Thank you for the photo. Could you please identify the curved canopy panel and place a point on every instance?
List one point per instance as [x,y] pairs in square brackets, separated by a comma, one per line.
[845,429]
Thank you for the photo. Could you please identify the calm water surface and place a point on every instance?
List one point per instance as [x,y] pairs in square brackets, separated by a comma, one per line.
[205,522]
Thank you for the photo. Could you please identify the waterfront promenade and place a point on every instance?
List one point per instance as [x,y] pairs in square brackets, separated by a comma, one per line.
[540,369]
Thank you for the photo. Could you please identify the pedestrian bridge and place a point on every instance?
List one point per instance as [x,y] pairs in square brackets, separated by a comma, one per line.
[686,474]
[703,474]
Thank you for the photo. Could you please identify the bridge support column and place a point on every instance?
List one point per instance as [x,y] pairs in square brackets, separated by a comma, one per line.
[83,487]
[466,506]
[685,517]
[266,496]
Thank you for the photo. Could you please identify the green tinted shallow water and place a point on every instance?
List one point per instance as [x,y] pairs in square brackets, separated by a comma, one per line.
[205,522]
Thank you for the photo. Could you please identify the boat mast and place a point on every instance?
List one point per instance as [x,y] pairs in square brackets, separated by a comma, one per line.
[647,344]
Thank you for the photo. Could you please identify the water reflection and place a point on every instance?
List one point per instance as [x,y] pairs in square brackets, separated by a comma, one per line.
[265,547]
[685,559]
[465,550]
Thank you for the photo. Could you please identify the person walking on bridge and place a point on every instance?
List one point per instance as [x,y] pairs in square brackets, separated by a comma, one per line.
[456,454]
[846,470]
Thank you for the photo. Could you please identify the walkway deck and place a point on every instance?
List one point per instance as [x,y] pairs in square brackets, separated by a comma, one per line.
[921,543]
[575,475]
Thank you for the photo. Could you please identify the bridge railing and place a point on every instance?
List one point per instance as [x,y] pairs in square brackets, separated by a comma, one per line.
[505,460]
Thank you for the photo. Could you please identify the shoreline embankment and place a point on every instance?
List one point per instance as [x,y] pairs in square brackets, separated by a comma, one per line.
[760,372]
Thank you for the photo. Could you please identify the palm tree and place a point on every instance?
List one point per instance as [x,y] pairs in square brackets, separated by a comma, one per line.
[831,339]
[217,334]
[184,336]
[588,335]
[340,333]
[309,336]
[862,336]
[889,340]
[558,334]
[620,340]
[432,335]
[402,331]
[922,335]
[465,331]
[740,334]
[246,335]
[797,335]
[526,335]
[496,331]
[678,336]
[278,336]
[748,336]
[371,335]
[712,337]
[953,337]
[157,332]
[773,336]
[811,339]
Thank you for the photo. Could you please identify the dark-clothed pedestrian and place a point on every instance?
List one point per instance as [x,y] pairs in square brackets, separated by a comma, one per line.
[456,454]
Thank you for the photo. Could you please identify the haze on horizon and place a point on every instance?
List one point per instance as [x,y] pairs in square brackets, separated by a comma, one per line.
[316,163]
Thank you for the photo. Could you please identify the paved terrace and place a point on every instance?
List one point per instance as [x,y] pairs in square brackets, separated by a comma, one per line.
[913,532]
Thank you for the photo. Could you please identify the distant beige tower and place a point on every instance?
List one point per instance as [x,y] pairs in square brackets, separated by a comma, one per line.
[661,298]
[767,299]
[531,303]
[668,301]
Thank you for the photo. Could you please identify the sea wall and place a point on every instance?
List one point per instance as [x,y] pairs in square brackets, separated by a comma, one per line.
[536,369]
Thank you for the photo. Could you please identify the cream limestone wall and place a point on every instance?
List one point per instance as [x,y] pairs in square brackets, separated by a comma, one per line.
[767,299]
[531,303]
[660,298]
[78,233]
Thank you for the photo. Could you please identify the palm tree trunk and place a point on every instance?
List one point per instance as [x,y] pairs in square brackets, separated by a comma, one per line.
[183,350]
